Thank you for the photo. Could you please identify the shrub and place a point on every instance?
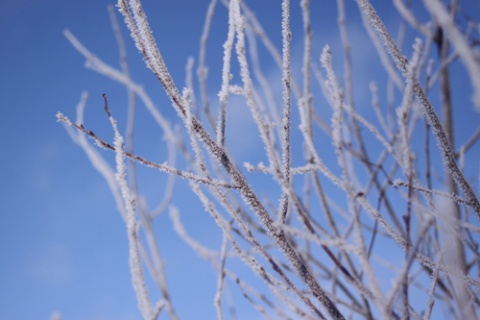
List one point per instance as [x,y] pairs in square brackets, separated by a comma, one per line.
[358,218]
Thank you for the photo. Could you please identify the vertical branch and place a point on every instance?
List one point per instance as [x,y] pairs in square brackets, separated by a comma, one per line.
[131,95]
[248,93]
[306,110]
[444,36]
[258,29]
[347,51]
[221,278]
[307,53]
[96,159]
[349,88]
[431,294]
[260,77]
[447,115]
[406,159]
[189,81]
[223,94]
[286,38]
[138,280]
[202,70]
[337,123]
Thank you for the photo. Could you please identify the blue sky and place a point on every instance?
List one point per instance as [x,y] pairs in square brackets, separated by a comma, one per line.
[63,245]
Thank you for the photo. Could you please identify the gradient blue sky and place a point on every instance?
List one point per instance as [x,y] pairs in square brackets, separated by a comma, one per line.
[62,244]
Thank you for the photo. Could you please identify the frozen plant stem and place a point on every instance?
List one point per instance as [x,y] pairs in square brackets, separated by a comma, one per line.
[140,30]
[348,191]
[286,38]
[138,280]
[442,140]
[160,166]
[451,32]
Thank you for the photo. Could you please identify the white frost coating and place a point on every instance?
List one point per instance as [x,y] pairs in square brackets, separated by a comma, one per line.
[336,97]
[386,62]
[372,129]
[462,47]
[431,294]
[248,90]
[317,217]
[403,112]
[286,37]
[274,284]
[223,94]
[404,272]
[96,64]
[138,279]
[97,161]
[202,70]
[376,107]
[286,80]
[200,161]
[442,140]
[217,300]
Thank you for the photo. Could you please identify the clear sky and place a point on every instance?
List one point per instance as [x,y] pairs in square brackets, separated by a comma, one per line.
[63,245]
